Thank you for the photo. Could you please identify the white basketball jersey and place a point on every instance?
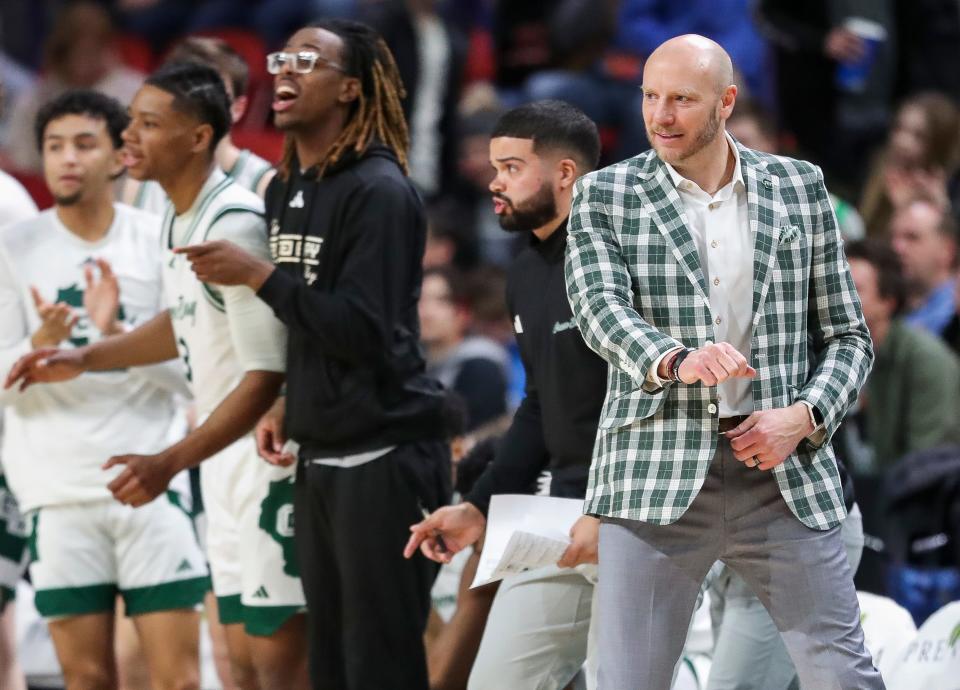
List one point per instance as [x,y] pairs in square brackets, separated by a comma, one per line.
[221,332]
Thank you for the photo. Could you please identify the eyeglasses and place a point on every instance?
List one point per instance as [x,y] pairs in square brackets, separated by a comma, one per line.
[302,62]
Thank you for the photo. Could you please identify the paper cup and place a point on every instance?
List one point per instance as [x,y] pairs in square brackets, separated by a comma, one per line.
[853,76]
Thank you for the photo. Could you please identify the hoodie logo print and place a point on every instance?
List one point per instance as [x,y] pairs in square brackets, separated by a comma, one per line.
[297,200]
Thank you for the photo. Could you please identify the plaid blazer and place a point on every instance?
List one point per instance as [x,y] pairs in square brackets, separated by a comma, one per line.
[637,290]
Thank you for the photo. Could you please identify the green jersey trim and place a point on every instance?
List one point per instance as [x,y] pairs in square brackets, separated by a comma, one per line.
[201,210]
[259,177]
[234,172]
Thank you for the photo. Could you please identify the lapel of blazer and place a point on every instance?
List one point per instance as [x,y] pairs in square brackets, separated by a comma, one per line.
[762,192]
[658,195]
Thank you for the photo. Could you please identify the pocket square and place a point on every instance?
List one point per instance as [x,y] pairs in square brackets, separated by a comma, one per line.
[789,233]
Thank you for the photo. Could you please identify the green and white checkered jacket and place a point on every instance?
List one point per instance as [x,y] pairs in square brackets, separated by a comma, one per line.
[637,290]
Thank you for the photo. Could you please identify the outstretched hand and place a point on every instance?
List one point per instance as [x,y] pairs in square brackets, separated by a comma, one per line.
[46,365]
[224,263]
[445,532]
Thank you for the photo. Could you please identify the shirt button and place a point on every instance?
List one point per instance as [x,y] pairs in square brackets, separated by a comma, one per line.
[717,320]
[714,244]
[716,281]
[711,408]
[713,206]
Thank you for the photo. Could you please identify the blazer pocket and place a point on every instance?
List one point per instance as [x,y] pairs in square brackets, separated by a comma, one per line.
[788,234]
[631,407]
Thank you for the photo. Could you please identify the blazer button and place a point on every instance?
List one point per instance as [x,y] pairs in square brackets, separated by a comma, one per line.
[711,408]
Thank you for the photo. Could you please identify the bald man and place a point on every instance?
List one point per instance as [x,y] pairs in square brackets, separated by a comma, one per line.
[712,280]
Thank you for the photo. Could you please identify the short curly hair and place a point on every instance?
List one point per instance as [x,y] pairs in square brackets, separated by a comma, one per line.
[83,102]
[198,91]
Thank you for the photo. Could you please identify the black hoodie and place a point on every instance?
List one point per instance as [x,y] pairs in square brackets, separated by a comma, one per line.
[348,249]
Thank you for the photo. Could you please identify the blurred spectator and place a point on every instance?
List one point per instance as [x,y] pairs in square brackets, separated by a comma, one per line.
[912,397]
[14,81]
[471,189]
[430,55]
[753,127]
[158,22]
[491,319]
[473,366]
[921,156]
[79,53]
[645,24]
[276,20]
[811,39]
[929,36]
[449,239]
[924,236]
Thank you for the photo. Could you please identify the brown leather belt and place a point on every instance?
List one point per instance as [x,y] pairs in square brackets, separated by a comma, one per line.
[728,423]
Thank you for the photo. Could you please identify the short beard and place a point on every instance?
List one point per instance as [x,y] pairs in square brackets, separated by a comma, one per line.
[533,213]
[704,137]
[70,200]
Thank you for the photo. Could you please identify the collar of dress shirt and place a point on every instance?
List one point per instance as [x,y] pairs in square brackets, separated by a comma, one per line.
[737,179]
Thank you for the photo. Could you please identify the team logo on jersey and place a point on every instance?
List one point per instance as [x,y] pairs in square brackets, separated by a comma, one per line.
[84,330]
[297,200]
[276,519]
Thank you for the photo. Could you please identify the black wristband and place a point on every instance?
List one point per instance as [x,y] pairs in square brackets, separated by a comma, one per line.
[677,361]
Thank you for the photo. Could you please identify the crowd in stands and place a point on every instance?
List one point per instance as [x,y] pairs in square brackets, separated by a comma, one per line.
[889,147]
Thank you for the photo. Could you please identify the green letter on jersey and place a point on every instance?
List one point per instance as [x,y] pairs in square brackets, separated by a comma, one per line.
[276,519]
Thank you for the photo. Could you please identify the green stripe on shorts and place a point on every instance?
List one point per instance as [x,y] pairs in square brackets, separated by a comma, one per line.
[6,596]
[180,594]
[257,620]
[266,620]
[76,601]
[229,609]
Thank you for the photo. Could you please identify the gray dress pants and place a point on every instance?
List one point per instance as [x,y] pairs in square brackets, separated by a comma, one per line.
[650,576]
[748,652]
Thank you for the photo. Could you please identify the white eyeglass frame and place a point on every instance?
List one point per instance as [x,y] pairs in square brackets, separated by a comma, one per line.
[276,61]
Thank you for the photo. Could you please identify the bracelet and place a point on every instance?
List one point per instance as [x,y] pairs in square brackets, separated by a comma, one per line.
[674,372]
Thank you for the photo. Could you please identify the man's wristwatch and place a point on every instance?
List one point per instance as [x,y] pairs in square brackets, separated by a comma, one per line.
[674,370]
[814,422]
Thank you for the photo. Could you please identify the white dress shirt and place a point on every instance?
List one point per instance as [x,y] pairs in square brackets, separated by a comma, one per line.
[719,225]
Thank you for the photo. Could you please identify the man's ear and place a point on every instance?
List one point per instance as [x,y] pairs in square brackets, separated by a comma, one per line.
[118,168]
[569,172]
[202,135]
[237,109]
[350,89]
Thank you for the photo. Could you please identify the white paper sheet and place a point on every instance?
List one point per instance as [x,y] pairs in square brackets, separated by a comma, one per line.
[525,532]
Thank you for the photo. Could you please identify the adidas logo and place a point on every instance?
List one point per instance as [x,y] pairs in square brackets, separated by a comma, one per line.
[261,593]
[297,200]
[184,566]
[517,326]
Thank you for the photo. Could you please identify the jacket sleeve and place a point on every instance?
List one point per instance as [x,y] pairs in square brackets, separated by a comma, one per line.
[600,292]
[382,238]
[840,341]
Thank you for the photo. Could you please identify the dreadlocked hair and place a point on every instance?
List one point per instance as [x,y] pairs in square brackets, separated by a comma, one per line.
[377,113]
